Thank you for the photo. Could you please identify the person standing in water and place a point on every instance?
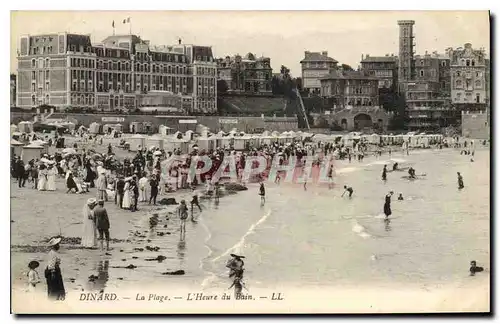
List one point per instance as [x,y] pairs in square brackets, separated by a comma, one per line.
[217,192]
[194,202]
[460,181]
[183,215]
[349,190]
[262,193]
[384,173]
[330,177]
[387,204]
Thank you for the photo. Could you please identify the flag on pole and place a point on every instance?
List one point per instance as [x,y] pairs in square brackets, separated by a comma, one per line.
[125,21]
[113,24]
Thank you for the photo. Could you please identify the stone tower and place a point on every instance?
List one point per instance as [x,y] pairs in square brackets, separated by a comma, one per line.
[406,62]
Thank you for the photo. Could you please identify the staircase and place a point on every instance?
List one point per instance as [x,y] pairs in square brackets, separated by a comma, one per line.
[302,108]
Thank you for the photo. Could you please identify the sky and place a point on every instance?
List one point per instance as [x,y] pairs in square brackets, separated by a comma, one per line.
[281,35]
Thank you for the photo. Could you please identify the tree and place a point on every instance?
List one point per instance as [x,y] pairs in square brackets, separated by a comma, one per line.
[346,67]
[222,86]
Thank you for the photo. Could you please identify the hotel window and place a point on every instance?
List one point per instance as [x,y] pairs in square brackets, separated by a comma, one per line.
[33,101]
[458,73]
[40,64]
[443,63]
[478,84]
[478,97]
[467,62]
[47,75]
[47,63]
[33,75]
[33,87]
[33,63]
[47,86]
[473,63]
[110,76]
[47,99]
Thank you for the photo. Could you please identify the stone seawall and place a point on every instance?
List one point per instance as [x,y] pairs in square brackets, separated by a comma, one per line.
[475,125]
[181,123]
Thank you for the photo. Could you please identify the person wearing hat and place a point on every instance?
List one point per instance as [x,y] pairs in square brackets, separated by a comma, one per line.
[55,285]
[235,264]
[102,185]
[33,277]
[387,204]
[51,176]
[42,177]
[102,223]
[119,185]
[89,227]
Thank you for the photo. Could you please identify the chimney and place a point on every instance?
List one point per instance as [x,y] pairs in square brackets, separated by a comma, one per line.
[367,55]
[306,53]
[362,57]
[324,53]
[180,41]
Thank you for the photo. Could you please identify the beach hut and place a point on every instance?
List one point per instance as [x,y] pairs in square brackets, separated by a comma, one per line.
[136,141]
[69,125]
[205,142]
[188,135]
[136,127]
[165,130]
[156,141]
[13,129]
[25,127]
[16,147]
[181,144]
[95,128]
[31,152]
[43,144]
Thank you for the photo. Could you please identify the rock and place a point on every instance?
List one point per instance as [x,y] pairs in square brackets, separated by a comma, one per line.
[159,258]
[233,186]
[93,278]
[165,226]
[160,233]
[108,254]
[168,233]
[130,266]
[174,273]
[11,221]
[138,249]
[121,250]
[124,259]
[119,278]
[168,201]
[149,241]
[134,257]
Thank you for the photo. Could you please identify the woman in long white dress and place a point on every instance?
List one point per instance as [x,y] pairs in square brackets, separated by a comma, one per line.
[89,229]
[126,194]
[42,178]
[51,177]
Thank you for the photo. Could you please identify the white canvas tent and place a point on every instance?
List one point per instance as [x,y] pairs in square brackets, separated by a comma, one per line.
[94,128]
[31,152]
[25,127]
[156,141]
[136,141]
[16,147]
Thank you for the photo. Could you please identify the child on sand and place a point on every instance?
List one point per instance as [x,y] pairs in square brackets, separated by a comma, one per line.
[33,277]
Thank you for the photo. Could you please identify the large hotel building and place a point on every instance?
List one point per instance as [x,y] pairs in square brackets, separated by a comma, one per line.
[67,70]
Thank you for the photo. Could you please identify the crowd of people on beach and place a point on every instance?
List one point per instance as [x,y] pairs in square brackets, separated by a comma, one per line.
[147,177]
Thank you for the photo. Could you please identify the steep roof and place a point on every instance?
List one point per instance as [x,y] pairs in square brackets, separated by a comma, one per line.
[317,57]
[347,75]
[376,59]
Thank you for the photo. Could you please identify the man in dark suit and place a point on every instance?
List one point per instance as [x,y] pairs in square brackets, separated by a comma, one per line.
[120,185]
[102,223]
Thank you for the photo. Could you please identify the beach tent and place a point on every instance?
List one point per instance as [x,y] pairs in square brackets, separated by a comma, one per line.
[43,144]
[188,135]
[95,128]
[25,127]
[136,127]
[69,125]
[13,129]
[16,147]
[156,141]
[136,141]
[205,142]
[31,152]
[165,130]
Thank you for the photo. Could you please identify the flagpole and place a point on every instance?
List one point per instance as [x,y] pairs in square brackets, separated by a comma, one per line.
[130,26]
